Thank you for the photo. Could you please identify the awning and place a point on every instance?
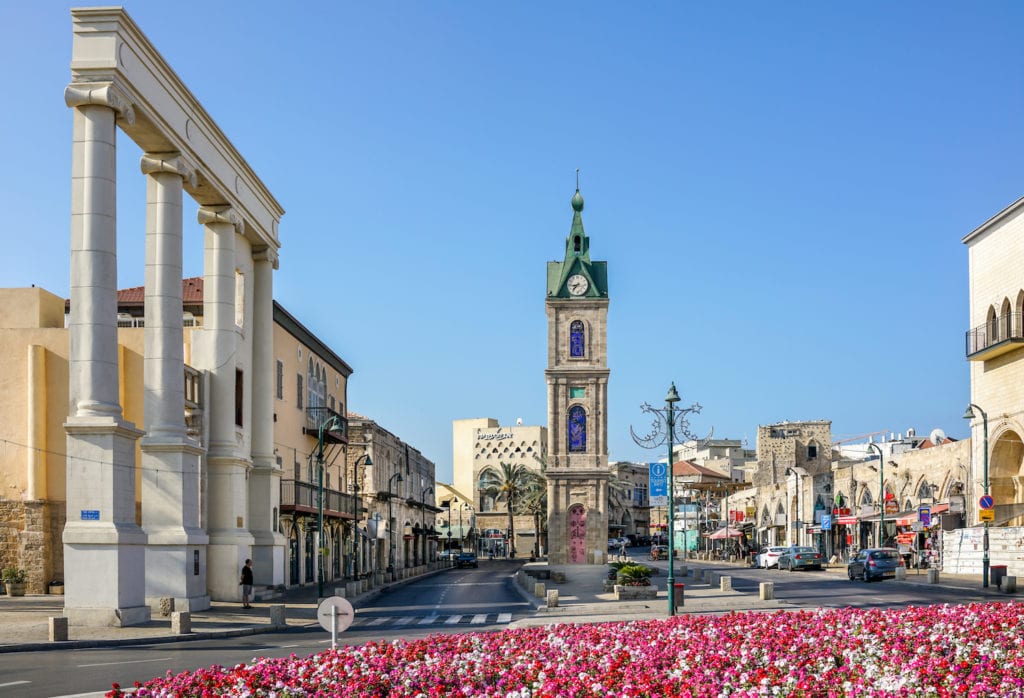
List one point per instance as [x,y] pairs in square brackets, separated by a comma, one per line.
[911,517]
[723,533]
[846,520]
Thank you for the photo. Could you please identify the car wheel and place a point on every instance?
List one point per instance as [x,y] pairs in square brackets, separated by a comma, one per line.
[865,576]
[789,565]
[849,573]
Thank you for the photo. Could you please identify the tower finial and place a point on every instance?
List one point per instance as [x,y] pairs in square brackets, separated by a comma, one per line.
[577,179]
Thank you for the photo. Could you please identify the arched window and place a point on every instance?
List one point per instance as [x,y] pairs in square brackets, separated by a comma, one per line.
[993,327]
[577,429]
[577,337]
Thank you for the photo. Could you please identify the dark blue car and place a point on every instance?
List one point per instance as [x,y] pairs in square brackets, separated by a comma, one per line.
[874,563]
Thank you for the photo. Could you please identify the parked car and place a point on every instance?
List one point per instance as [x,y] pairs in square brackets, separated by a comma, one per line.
[800,557]
[659,552]
[769,556]
[616,543]
[874,563]
[466,560]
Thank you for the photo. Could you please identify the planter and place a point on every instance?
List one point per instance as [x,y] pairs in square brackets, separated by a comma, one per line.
[57,589]
[16,588]
[628,593]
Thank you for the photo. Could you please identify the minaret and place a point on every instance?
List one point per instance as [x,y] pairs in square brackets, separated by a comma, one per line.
[577,380]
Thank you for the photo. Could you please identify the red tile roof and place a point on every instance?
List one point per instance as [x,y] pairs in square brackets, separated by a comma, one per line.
[191,292]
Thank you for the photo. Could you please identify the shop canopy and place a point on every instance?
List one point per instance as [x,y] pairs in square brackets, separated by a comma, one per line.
[723,533]
[911,517]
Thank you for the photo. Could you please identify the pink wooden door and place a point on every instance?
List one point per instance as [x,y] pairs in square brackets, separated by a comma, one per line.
[577,534]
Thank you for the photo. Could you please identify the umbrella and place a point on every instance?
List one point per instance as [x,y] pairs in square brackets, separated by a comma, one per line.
[723,533]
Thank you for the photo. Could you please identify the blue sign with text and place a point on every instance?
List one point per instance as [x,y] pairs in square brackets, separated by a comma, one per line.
[90,515]
[826,522]
[658,484]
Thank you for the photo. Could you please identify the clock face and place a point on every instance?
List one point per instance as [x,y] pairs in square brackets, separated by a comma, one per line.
[577,284]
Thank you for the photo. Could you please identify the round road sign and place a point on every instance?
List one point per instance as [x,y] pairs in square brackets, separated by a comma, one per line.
[985,502]
[335,606]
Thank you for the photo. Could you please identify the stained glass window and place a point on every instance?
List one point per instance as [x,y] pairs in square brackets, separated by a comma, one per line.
[576,343]
[577,429]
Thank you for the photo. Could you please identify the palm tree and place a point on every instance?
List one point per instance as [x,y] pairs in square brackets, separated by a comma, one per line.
[509,484]
[535,502]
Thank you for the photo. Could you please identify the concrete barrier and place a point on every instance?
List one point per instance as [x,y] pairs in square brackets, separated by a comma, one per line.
[538,590]
[713,578]
[181,623]
[933,576]
[277,615]
[552,601]
[1010,584]
[901,573]
[58,629]
[725,583]
[767,591]
[341,591]
[682,571]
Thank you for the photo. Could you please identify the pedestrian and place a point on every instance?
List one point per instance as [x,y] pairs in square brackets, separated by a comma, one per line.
[622,550]
[246,583]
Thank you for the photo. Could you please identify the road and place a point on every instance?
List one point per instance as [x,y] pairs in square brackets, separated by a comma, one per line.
[456,601]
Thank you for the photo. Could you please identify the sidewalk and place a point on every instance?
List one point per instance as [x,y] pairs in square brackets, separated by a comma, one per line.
[24,624]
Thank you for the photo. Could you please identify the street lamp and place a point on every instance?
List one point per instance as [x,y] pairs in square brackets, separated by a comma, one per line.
[423,518]
[397,477]
[359,462]
[797,523]
[332,421]
[881,493]
[674,423]
[462,531]
[969,414]
[450,502]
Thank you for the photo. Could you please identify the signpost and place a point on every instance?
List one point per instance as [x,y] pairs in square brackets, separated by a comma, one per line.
[986,502]
[924,516]
[826,522]
[987,515]
[658,484]
[335,614]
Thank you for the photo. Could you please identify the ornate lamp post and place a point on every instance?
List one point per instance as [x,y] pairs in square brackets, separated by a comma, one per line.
[451,501]
[969,414]
[328,423]
[397,477]
[881,493]
[669,424]
[423,518]
[462,531]
[360,461]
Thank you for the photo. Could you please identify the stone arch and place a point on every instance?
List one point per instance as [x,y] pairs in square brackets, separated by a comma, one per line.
[1006,466]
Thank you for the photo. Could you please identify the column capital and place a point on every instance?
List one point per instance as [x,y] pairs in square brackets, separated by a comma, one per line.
[105,94]
[172,163]
[220,214]
[266,254]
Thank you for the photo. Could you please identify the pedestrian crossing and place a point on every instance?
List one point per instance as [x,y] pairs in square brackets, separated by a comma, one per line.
[471,619]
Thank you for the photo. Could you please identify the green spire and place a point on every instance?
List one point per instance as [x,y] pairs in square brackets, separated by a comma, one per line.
[577,259]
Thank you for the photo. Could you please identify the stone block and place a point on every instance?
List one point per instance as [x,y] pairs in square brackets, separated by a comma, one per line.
[933,576]
[1009,585]
[713,578]
[277,615]
[725,583]
[552,598]
[341,591]
[767,591]
[539,590]
[165,605]
[698,574]
[58,629]
[901,573]
[181,623]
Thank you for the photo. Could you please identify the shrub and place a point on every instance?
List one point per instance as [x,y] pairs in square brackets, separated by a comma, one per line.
[14,575]
[634,575]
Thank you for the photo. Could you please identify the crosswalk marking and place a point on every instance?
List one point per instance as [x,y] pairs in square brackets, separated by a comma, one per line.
[431,619]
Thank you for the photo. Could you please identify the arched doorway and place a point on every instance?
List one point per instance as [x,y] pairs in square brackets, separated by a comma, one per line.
[293,556]
[1005,470]
[577,534]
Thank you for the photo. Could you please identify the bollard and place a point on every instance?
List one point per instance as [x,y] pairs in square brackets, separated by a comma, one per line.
[538,590]
[698,574]
[725,583]
[181,623]
[682,571]
[1010,584]
[713,578]
[166,605]
[767,591]
[678,596]
[901,573]
[341,591]
[933,576]
[553,598]
[277,615]
[58,629]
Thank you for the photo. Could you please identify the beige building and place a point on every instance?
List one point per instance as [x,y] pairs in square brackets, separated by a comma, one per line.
[629,500]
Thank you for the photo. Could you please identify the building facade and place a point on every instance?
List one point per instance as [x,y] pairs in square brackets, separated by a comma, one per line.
[577,384]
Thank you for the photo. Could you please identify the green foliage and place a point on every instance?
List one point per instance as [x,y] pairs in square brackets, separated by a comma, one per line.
[632,574]
[14,575]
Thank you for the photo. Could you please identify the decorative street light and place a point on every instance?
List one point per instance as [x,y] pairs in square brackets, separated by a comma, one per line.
[451,501]
[397,477]
[360,461]
[423,518]
[462,531]
[881,493]
[668,424]
[327,424]
[969,414]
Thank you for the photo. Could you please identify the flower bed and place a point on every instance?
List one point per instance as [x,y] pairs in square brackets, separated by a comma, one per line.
[947,650]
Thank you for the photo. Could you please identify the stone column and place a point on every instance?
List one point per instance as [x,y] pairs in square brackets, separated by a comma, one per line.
[104,549]
[265,479]
[176,554]
[230,540]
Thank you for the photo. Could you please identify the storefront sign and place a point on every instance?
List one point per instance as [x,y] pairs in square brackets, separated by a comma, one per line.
[495,437]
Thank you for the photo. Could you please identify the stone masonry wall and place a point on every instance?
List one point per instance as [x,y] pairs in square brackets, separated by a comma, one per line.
[30,538]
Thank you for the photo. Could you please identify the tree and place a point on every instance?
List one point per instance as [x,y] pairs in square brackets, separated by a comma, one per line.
[535,502]
[509,484]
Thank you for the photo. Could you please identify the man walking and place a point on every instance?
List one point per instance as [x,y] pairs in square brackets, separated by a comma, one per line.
[246,583]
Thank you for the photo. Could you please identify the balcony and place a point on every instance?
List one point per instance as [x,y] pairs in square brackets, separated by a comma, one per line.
[996,337]
[301,497]
[336,430]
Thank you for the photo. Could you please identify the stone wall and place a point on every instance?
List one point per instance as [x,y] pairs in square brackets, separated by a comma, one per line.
[30,538]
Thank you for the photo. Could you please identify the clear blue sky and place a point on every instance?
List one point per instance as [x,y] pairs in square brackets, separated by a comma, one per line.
[779,189]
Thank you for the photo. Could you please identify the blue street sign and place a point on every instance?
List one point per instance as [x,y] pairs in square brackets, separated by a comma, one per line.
[924,515]
[658,484]
[826,522]
[90,515]
[985,502]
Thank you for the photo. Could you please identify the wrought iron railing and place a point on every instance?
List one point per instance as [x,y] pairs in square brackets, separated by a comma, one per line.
[304,496]
[335,425]
[1005,328]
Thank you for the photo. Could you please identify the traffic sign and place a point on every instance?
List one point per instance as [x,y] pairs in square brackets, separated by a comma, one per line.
[335,614]
[986,501]
[924,515]
[826,522]
[987,515]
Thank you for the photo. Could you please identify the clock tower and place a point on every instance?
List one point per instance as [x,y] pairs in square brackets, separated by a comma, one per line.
[577,380]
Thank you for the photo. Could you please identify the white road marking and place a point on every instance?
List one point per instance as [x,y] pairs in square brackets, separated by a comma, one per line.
[429,619]
[405,621]
[133,661]
[289,646]
[479,618]
[504,617]
[13,683]
[454,620]
[378,621]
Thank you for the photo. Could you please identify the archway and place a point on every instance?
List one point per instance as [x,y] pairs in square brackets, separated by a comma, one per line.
[1006,466]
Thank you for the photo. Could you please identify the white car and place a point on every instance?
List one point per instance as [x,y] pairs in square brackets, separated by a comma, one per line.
[616,543]
[769,555]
